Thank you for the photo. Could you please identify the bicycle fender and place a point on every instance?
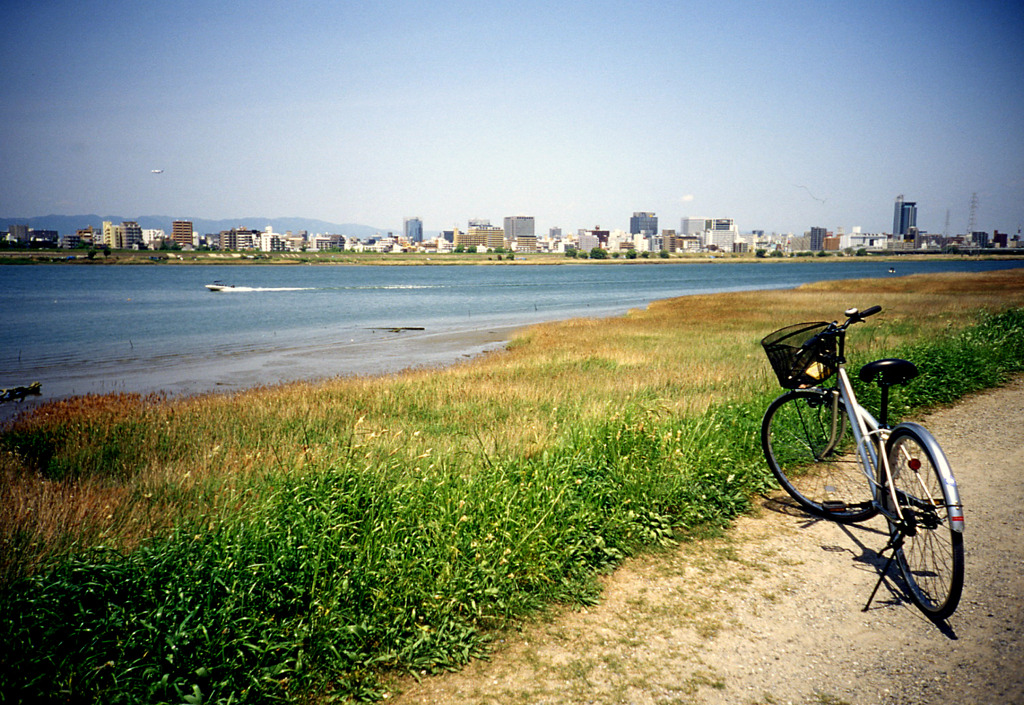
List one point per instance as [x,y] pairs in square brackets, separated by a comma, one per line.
[950,490]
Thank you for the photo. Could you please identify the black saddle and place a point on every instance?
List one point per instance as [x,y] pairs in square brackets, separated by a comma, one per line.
[888,372]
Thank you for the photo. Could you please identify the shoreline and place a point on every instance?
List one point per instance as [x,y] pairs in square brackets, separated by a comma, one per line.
[200,259]
[387,352]
[233,373]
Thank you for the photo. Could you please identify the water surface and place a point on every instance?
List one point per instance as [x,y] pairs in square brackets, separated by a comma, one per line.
[84,329]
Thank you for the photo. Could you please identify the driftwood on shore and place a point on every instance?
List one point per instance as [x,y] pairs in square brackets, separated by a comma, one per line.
[19,393]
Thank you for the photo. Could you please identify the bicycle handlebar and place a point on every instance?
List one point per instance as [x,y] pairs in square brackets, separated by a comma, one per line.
[836,330]
[854,316]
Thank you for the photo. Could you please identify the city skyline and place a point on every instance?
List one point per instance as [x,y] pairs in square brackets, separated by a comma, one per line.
[783,117]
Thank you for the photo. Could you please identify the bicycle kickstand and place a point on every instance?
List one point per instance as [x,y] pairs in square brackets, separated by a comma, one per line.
[894,543]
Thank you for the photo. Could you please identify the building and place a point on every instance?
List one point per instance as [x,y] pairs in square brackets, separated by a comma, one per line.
[722,235]
[82,236]
[239,239]
[904,217]
[669,241]
[643,223]
[271,241]
[818,236]
[181,233]
[413,229]
[43,238]
[127,235]
[480,234]
[18,233]
[519,230]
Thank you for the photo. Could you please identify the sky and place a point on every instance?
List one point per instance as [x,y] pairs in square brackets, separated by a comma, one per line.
[782,115]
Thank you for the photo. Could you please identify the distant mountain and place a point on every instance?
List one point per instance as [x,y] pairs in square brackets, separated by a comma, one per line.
[68,224]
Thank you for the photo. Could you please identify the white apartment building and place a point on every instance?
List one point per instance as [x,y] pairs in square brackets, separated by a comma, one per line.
[271,242]
[720,232]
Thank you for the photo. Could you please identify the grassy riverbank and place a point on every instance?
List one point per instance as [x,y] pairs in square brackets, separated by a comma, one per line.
[303,539]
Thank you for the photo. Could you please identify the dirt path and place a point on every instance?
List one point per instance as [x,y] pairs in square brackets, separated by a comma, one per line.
[772,612]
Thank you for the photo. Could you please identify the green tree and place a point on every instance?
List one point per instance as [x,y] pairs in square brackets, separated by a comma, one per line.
[598,253]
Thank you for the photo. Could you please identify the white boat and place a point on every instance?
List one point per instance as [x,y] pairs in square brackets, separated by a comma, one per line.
[217,286]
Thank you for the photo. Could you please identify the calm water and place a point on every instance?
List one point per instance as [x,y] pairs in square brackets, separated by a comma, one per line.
[82,329]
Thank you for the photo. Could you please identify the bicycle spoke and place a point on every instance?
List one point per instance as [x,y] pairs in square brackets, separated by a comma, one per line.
[931,555]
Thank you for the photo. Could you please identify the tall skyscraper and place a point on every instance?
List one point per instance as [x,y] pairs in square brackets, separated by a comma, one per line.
[818,239]
[643,224]
[414,230]
[519,229]
[904,217]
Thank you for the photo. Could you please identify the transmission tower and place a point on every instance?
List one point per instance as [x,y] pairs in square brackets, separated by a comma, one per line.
[970,219]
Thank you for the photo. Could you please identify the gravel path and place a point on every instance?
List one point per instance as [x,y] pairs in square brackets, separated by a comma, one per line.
[771,613]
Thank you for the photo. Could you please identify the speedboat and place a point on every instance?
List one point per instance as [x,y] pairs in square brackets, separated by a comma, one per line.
[217,286]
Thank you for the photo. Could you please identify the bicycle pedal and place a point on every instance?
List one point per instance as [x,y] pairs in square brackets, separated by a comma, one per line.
[834,505]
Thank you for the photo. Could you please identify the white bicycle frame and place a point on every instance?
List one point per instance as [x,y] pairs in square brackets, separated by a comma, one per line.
[866,429]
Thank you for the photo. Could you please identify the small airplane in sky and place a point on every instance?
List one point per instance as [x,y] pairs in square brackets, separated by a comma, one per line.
[157,171]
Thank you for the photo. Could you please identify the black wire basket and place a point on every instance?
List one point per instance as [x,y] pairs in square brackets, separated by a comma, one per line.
[796,361]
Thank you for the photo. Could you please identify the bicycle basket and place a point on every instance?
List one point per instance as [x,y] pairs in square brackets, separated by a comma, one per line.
[797,366]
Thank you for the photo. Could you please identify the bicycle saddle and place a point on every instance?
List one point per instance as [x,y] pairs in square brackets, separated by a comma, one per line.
[888,372]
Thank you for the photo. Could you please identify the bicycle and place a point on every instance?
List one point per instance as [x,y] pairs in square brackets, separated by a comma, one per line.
[841,463]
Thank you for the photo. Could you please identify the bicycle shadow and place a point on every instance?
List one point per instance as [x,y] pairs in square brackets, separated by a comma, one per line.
[869,559]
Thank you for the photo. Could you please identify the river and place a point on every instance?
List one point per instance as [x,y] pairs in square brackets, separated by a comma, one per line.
[97,329]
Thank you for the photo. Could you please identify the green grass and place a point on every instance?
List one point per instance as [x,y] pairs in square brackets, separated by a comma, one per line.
[375,527]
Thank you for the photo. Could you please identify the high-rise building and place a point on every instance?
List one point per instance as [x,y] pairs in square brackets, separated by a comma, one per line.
[132,234]
[643,224]
[122,237]
[904,217]
[519,229]
[818,236]
[18,233]
[722,233]
[413,230]
[181,233]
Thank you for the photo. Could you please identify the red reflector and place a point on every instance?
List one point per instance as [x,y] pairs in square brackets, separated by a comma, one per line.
[914,464]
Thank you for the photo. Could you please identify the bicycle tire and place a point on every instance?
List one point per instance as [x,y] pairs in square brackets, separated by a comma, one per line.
[820,471]
[931,556]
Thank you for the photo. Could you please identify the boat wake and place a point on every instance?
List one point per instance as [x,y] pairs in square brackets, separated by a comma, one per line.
[227,289]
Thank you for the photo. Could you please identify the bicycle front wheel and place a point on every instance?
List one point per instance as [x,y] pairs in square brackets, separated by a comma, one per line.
[931,556]
[806,442]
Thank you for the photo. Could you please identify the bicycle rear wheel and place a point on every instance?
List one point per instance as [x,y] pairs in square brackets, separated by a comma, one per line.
[805,441]
[931,556]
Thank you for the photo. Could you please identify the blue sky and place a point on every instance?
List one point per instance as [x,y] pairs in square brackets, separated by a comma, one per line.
[782,115]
